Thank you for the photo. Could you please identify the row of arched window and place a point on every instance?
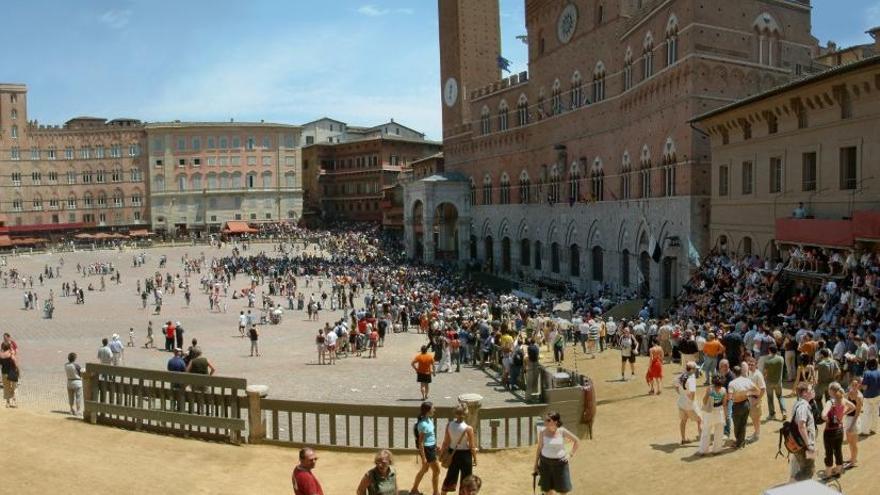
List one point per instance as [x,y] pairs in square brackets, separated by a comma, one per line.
[555,186]
[213,181]
[89,200]
[576,96]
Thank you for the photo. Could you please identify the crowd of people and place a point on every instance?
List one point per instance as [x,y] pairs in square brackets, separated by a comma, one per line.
[742,327]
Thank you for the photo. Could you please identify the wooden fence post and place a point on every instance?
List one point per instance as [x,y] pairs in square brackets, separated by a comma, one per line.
[89,392]
[256,425]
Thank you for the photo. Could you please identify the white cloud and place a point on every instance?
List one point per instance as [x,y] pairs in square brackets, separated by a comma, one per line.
[116,18]
[373,11]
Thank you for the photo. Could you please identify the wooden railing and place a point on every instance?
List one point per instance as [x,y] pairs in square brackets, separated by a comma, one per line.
[183,404]
[367,428]
[223,408]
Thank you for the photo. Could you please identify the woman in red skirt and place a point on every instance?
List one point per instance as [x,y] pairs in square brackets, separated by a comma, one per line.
[654,376]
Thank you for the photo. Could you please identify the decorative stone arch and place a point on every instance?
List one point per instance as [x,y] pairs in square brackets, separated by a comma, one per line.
[486,230]
[505,179]
[765,23]
[502,106]
[523,99]
[556,85]
[485,112]
[599,70]
[648,42]
[571,233]
[628,55]
[746,245]
[669,152]
[645,157]
[672,24]
[625,162]
[552,233]
[576,77]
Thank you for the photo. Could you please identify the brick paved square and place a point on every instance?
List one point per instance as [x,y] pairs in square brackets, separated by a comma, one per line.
[287,365]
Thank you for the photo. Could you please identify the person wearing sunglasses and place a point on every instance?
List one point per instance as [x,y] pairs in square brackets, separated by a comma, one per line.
[382,479]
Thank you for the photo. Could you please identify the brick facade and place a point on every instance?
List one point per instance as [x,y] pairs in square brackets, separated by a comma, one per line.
[600,124]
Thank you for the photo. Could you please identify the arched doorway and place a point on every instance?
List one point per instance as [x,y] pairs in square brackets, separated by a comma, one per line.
[525,252]
[598,264]
[505,254]
[624,268]
[645,272]
[445,232]
[747,246]
[489,252]
[418,231]
[554,257]
[538,255]
[473,247]
[670,277]
[574,262]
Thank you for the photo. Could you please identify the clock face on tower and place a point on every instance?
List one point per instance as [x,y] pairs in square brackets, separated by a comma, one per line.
[450,92]
[567,23]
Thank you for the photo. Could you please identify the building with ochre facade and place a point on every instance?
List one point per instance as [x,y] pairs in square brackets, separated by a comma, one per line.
[585,170]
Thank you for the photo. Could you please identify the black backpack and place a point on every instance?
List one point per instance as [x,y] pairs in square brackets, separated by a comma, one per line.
[790,436]
[416,432]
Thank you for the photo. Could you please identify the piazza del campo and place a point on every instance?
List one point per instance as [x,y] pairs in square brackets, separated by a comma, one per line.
[614,247]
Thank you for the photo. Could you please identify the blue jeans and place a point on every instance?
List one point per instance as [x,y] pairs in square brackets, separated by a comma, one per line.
[709,366]
[513,380]
[774,390]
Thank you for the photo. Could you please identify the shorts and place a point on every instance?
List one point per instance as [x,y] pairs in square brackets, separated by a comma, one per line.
[555,475]
[684,414]
[430,452]
[631,358]
[331,347]
[423,377]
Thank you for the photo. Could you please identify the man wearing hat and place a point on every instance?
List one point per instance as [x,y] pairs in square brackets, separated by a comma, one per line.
[116,348]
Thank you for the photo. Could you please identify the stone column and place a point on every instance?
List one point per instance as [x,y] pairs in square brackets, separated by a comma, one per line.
[256,423]
[464,240]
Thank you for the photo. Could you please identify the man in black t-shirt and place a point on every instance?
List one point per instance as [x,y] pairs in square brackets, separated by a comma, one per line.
[532,369]
[733,345]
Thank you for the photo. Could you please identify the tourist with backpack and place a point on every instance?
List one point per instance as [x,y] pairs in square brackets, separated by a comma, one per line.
[803,461]
[426,444]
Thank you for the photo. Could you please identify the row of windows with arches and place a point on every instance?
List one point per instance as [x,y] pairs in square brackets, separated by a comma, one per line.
[578,185]
[539,257]
[582,91]
[223,180]
[73,176]
[88,200]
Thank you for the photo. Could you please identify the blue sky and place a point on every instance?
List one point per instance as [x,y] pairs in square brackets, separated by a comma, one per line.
[280,60]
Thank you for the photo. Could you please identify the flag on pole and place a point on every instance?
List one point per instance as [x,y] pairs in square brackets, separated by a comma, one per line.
[693,254]
[503,64]
[655,250]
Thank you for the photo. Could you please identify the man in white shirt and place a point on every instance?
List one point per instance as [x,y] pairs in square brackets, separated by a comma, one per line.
[116,348]
[330,340]
[242,323]
[757,378]
[611,330]
[739,391]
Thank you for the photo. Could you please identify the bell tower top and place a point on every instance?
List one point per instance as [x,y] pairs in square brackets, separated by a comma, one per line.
[470,43]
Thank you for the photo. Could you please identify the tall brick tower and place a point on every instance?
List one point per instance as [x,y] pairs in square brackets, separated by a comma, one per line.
[470,42]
